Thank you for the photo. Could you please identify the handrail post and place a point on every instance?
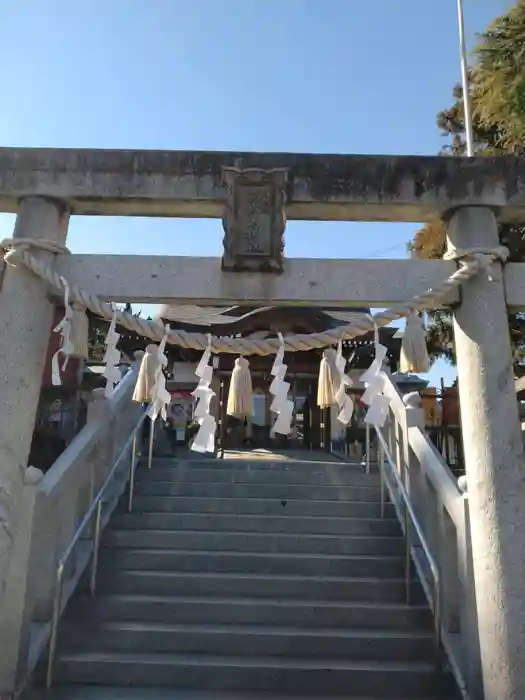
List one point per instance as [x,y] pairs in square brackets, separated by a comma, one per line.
[431,490]
[21,585]
[54,625]
[96,547]
[58,588]
[150,442]
[408,557]
[368,441]
[132,467]
[382,477]
[468,609]
[391,429]
[437,628]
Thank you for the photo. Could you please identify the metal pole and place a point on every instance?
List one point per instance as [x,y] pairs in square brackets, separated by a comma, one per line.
[382,478]
[132,473]
[54,625]
[408,556]
[96,547]
[327,429]
[222,416]
[437,625]
[150,445]
[467,105]
[367,433]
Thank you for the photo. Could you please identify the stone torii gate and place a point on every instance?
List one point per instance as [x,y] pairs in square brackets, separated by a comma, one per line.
[254,194]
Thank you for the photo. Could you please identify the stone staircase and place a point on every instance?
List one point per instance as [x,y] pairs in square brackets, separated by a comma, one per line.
[244,579]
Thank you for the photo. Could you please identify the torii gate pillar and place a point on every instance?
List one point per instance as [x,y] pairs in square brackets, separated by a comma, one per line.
[494,460]
[26,316]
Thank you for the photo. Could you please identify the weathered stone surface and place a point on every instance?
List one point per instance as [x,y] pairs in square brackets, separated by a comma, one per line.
[319,187]
[158,279]
[254,220]
[25,319]
[493,449]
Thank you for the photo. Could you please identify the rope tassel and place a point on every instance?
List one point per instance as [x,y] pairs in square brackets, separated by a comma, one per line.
[240,399]
[327,384]
[146,379]
[414,355]
[79,333]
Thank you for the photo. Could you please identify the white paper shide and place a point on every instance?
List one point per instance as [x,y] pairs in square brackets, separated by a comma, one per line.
[205,439]
[374,380]
[112,356]
[160,396]
[64,328]
[343,401]
[281,404]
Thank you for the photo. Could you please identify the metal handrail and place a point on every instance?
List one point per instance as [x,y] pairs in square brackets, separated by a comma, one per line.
[411,522]
[95,508]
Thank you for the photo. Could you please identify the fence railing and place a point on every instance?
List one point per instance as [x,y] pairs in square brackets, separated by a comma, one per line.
[64,512]
[433,511]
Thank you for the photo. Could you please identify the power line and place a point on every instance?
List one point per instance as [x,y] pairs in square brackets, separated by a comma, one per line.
[381,251]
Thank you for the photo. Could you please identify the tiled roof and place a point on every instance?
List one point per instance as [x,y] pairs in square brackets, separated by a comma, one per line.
[198,315]
[213,315]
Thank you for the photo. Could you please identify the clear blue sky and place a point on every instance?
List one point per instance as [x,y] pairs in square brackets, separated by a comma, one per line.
[338,76]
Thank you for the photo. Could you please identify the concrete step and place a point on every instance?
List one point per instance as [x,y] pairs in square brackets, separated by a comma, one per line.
[347,476]
[218,522]
[327,676]
[241,640]
[324,463]
[249,580]
[253,562]
[179,583]
[249,611]
[367,494]
[260,506]
[116,692]
[255,542]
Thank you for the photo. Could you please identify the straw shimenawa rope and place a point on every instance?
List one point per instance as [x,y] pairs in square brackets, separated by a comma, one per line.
[471,262]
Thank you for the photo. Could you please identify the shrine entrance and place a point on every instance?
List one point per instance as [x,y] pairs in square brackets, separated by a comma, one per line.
[306,432]
[311,427]
[470,534]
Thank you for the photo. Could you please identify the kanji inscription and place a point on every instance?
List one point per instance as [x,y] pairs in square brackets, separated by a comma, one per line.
[254,220]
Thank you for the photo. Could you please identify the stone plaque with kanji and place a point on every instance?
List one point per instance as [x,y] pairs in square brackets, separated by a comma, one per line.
[254,220]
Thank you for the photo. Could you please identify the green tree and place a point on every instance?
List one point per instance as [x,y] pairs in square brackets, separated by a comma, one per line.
[497,88]
[128,343]
[96,337]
